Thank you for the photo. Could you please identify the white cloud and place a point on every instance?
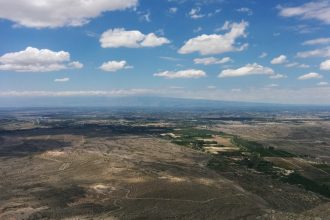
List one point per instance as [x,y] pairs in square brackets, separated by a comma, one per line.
[279,60]
[224,27]
[92,34]
[35,60]
[323,52]
[170,58]
[190,73]
[115,92]
[295,64]
[263,55]
[211,87]
[151,40]
[62,80]
[278,76]
[198,29]
[216,11]
[310,76]
[145,16]
[113,66]
[76,65]
[272,85]
[325,65]
[195,13]
[317,41]
[173,10]
[217,43]
[319,10]
[248,11]
[323,84]
[303,66]
[249,69]
[58,13]
[119,37]
[304,28]
[212,60]
[282,59]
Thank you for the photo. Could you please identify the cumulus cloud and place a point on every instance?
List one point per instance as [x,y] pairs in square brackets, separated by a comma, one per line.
[248,11]
[310,76]
[303,65]
[151,40]
[62,80]
[225,27]
[263,55]
[114,66]
[212,60]
[322,52]
[325,65]
[58,13]
[120,37]
[282,59]
[278,76]
[317,41]
[217,43]
[318,10]
[35,60]
[323,84]
[190,73]
[249,69]
[76,65]
[173,10]
[195,13]
[279,60]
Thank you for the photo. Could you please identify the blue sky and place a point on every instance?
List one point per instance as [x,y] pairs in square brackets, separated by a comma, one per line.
[264,51]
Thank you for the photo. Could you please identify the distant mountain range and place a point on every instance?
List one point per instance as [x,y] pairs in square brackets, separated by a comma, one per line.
[131,101]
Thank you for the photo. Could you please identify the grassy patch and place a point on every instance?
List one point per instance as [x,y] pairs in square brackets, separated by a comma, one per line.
[297,179]
[254,161]
[220,163]
[191,137]
[196,133]
[194,144]
[260,149]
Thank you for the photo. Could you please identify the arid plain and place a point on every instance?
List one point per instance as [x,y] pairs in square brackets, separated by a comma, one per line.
[88,165]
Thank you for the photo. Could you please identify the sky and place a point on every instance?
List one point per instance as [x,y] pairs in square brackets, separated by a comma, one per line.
[232,50]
